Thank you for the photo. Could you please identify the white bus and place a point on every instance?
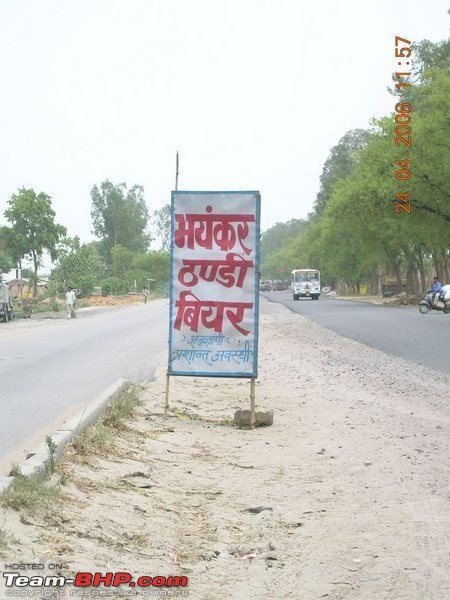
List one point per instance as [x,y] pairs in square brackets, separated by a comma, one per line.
[306,283]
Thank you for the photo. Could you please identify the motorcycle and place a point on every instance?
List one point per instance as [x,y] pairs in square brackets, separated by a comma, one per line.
[442,304]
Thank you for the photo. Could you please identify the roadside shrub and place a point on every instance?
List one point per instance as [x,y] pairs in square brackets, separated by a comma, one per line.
[114,286]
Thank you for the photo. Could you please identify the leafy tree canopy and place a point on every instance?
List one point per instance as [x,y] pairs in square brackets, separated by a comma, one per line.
[33,229]
[428,55]
[340,163]
[6,261]
[78,266]
[120,216]
[275,238]
[161,220]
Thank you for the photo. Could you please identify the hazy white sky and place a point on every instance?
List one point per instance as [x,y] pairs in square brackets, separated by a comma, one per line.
[253,94]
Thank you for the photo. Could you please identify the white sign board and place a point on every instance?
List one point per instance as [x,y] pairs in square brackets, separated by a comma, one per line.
[214,284]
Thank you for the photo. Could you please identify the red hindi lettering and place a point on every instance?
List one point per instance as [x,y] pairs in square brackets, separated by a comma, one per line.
[205,229]
[210,313]
[221,271]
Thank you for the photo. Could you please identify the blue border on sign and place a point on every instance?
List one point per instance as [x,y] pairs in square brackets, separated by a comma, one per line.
[254,372]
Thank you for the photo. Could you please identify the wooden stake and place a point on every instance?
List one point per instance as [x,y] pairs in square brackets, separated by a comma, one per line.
[166,397]
[252,403]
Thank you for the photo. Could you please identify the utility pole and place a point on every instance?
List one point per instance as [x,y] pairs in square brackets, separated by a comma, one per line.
[176,172]
[166,394]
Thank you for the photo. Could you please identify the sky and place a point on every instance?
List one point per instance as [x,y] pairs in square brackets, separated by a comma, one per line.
[252,93]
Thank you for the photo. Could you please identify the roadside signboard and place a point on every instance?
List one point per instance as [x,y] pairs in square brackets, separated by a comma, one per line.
[214,284]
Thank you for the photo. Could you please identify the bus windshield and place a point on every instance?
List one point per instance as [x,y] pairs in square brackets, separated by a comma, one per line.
[302,276]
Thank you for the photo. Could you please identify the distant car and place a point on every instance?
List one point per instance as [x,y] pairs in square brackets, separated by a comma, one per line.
[278,286]
[331,294]
[265,286]
[326,289]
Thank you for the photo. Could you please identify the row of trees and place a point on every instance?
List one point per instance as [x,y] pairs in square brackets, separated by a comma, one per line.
[119,261]
[354,235]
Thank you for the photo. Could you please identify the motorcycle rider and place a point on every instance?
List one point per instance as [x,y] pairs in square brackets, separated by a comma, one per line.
[436,288]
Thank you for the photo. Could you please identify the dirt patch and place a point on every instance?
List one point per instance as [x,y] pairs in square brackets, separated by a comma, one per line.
[115,300]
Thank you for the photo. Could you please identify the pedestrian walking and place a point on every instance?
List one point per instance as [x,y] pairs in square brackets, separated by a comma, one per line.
[146,295]
[70,303]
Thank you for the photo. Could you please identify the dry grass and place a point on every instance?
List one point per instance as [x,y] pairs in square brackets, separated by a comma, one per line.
[29,494]
[100,438]
[6,541]
[122,410]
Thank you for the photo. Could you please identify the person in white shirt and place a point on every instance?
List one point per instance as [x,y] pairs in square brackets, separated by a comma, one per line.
[70,303]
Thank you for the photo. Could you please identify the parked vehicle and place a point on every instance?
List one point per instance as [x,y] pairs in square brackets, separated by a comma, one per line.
[265,286]
[278,286]
[442,304]
[305,283]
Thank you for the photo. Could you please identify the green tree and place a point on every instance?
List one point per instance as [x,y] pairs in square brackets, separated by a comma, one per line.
[33,229]
[5,263]
[6,260]
[161,220]
[431,152]
[427,55]
[134,270]
[275,238]
[113,286]
[78,265]
[340,163]
[123,261]
[156,266]
[120,216]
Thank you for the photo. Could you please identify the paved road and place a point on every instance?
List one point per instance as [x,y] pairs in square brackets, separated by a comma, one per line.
[397,330]
[49,368]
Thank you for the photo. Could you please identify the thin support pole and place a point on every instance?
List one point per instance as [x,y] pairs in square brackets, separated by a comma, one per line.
[166,396]
[176,171]
[252,403]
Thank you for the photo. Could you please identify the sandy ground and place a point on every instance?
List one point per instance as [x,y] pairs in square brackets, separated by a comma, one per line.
[353,478]
[95,303]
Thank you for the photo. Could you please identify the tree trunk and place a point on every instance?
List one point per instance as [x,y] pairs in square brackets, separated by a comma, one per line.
[423,279]
[398,276]
[421,289]
[36,265]
[438,265]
